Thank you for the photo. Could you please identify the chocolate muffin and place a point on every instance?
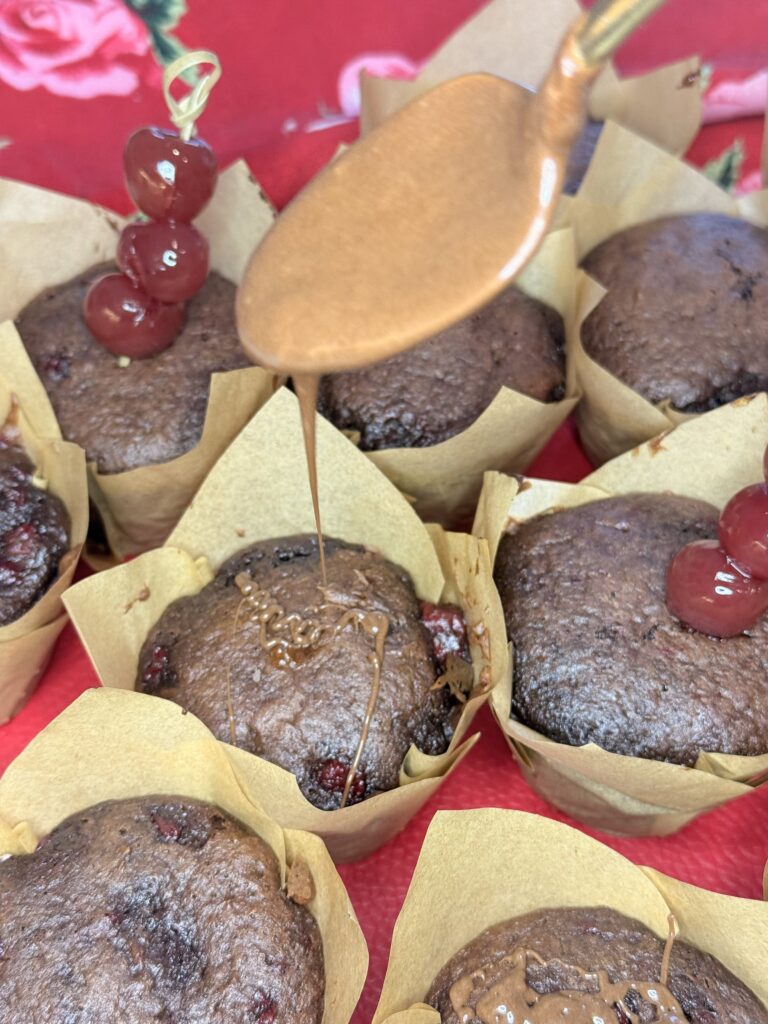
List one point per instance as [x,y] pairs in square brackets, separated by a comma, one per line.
[686,314]
[154,909]
[288,667]
[34,533]
[586,964]
[150,411]
[581,156]
[434,391]
[598,657]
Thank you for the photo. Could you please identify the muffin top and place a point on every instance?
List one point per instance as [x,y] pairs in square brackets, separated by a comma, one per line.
[686,314]
[309,707]
[155,909]
[598,657]
[439,388]
[34,533]
[150,411]
[585,964]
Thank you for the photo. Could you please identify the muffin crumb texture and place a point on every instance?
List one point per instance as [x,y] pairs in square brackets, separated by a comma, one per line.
[598,657]
[305,706]
[585,964]
[439,388]
[161,909]
[149,411]
[34,532]
[685,319]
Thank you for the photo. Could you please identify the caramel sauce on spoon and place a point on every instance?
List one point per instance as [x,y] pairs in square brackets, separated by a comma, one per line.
[419,224]
[422,221]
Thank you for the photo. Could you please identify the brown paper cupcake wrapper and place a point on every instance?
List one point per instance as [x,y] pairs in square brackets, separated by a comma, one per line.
[46,239]
[710,458]
[452,898]
[631,181]
[111,746]
[257,490]
[518,39]
[444,480]
[26,644]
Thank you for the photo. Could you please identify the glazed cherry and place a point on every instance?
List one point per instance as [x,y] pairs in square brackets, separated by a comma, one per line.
[169,178]
[709,593]
[743,530]
[765,463]
[126,321]
[169,261]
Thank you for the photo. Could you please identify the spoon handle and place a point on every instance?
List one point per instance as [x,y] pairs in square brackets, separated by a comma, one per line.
[609,23]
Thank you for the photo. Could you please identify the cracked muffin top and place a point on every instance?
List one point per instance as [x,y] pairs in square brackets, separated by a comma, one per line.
[686,314]
[155,909]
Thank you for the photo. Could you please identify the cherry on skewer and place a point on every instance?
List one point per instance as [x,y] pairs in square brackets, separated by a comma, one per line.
[127,322]
[168,177]
[168,261]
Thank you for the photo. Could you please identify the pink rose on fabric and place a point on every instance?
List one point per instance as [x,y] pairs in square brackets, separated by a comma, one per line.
[731,99]
[380,65]
[76,48]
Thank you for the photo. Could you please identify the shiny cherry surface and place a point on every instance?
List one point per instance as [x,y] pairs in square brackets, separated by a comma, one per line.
[169,261]
[743,530]
[168,178]
[708,592]
[126,321]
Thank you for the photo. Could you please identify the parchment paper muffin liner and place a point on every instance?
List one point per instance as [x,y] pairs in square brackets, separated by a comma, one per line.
[518,39]
[258,490]
[27,643]
[478,868]
[45,240]
[631,181]
[710,458]
[444,480]
[113,746]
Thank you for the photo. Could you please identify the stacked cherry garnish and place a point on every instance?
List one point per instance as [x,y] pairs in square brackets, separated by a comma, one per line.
[720,586]
[163,260]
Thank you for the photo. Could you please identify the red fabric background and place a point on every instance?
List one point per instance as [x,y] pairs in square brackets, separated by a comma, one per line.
[281,61]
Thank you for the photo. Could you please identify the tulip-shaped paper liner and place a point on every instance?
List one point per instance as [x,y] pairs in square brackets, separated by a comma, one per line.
[529,863]
[709,458]
[113,746]
[259,489]
[631,181]
[45,240]
[444,480]
[27,643]
[517,40]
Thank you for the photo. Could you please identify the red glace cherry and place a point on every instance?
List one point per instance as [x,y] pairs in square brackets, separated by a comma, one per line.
[169,178]
[168,261]
[126,321]
[743,530]
[722,588]
[709,593]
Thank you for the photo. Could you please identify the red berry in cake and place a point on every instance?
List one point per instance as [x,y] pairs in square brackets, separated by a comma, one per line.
[709,593]
[743,530]
[168,260]
[447,628]
[169,178]
[331,775]
[126,321]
